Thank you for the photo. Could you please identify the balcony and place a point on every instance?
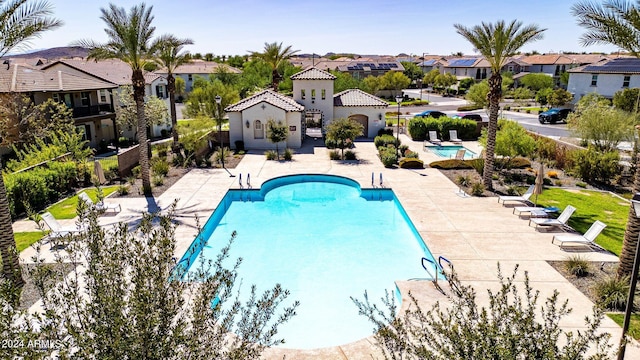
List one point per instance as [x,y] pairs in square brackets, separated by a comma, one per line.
[92,110]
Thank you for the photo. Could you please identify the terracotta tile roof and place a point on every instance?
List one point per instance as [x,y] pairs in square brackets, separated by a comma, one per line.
[357,97]
[313,73]
[200,67]
[270,97]
[19,78]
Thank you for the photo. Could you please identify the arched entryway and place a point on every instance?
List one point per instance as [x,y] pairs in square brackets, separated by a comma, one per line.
[312,125]
[364,120]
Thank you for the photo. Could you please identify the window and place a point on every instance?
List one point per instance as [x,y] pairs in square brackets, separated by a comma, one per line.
[258,130]
[626,80]
[324,94]
[190,77]
[56,97]
[313,94]
[594,80]
[160,91]
[84,98]
[103,96]
[302,94]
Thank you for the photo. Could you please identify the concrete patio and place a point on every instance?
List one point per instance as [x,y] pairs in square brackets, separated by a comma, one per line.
[474,233]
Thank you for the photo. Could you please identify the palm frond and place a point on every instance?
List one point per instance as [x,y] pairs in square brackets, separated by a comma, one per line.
[23,20]
[167,50]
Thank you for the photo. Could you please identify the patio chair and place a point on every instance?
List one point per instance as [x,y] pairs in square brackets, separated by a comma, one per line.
[433,137]
[453,137]
[460,154]
[57,230]
[561,221]
[524,198]
[587,239]
[100,206]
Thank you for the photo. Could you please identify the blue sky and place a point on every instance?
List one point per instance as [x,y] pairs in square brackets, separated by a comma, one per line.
[356,26]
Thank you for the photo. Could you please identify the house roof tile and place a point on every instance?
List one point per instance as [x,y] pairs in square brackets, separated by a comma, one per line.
[313,73]
[20,78]
[357,97]
[112,70]
[270,97]
[200,67]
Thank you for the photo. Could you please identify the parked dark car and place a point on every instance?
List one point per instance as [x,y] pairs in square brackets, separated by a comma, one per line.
[475,117]
[553,115]
[431,113]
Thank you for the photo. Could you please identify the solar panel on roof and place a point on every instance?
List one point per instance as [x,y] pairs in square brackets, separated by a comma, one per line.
[394,65]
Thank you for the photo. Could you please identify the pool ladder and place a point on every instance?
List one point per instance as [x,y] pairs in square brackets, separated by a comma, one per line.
[438,267]
[373,177]
[248,181]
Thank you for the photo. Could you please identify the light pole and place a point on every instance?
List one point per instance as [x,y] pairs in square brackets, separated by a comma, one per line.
[420,86]
[398,100]
[219,119]
[635,202]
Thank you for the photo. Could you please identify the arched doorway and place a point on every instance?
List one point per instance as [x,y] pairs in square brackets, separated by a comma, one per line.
[364,120]
[313,123]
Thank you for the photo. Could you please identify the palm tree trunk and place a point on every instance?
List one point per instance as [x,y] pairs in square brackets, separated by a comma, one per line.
[137,79]
[171,89]
[10,263]
[631,233]
[275,79]
[495,93]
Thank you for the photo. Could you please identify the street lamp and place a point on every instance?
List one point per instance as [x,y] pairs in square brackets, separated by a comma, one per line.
[635,202]
[398,100]
[420,86]
[218,113]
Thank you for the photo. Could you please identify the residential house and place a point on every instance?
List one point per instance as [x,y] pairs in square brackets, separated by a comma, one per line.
[313,106]
[358,68]
[605,77]
[188,72]
[90,97]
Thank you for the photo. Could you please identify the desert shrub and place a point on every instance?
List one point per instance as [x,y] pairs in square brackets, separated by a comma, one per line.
[477,165]
[451,164]
[160,167]
[513,163]
[123,189]
[593,165]
[577,266]
[158,179]
[350,155]
[384,140]
[581,184]
[388,156]
[271,155]
[463,180]
[111,173]
[131,180]
[558,183]
[334,155]
[469,107]
[411,154]
[136,171]
[611,292]
[403,148]
[162,150]
[477,189]
[552,174]
[288,154]
[411,163]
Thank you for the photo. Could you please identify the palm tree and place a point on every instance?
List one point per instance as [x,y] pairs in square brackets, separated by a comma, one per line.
[497,42]
[130,41]
[617,23]
[20,21]
[275,56]
[168,55]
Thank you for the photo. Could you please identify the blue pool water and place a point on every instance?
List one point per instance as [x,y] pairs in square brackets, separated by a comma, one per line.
[322,238]
[449,151]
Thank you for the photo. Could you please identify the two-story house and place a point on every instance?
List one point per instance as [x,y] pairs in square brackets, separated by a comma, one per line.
[605,78]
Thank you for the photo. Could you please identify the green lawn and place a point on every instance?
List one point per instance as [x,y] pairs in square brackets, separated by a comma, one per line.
[591,206]
[634,325]
[66,209]
[25,239]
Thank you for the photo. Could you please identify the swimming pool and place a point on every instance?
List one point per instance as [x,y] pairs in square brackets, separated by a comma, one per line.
[324,239]
[449,151]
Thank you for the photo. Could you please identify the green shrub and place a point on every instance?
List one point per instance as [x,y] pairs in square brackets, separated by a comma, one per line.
[158,179]
[411,154]
[385,140]
[330,143]
[477,189]
[136,171]
[581,184]
[611,292]
[388,156]
[463,180]
[469,107]
[577,266]
[514,163]
[271,155]
[350,155]
[111,173]
[593,165]
[477,164]
[411,163]
[288,154]
[403,148]
[418,128]
[451,164]
[385,131]
[334,155]
[160,167]
[123,190]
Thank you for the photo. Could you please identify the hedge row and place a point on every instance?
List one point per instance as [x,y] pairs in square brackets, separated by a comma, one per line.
[40,186]
[419,128]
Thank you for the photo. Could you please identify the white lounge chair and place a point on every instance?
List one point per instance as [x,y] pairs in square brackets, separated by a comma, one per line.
[587,239]
[433,137]
[57,230]
[100,206]
[460,154]
[561,221]
[453,137]
[524,198]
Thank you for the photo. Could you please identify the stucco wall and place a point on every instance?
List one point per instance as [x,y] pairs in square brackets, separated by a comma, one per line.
[239,131]
[373,114]
[325,106]
[607,85]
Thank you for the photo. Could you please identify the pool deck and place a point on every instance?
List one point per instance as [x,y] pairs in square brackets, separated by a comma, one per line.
[474,233]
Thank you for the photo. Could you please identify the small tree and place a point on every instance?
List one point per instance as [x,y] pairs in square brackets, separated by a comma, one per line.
[155,109]
[343,131]
[277,132]
[513,326]
[512,140]
[430,78]
[477,94]
[537,82]
[446,81]
[129,299]
[626,99]
[559,97]
[542,96]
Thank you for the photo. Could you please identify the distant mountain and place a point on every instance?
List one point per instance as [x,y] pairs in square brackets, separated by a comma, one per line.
[55,53]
